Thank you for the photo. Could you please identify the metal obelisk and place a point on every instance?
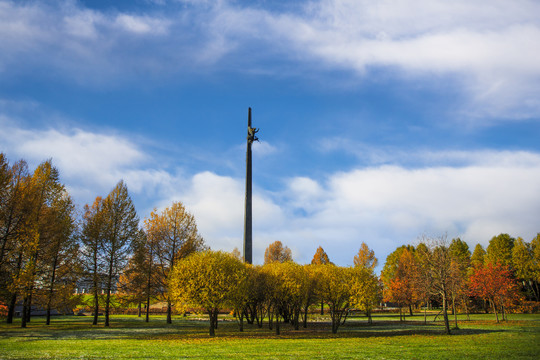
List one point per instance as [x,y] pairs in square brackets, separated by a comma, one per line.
[248,249]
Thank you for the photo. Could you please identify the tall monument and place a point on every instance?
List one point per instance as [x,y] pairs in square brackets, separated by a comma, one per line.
[248,249]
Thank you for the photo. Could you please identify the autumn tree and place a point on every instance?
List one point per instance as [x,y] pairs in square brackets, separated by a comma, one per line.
[535,249]
[173,236]
[207,279]
[320,257]
[460,263]
[44,189]
[60,267]
[422,276]
[134,285]
[400,286]
[277,252]
[365,257]
[120,229]
[258,300]
[494,283]
[286,291]
[236,253]
[309,293]
[242,296]
[439,266]
[366,290]
[91,253]
[334,286]
[16,210]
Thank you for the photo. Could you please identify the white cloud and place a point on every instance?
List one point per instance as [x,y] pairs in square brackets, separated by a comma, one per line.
[263,148]
[474,195]
[492,50]
[142,24]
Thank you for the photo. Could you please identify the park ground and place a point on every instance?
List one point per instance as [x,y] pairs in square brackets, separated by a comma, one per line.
[129,337]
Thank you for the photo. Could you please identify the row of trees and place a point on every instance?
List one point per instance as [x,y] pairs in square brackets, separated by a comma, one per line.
[38,246]
[279,291]
[445,272]
[46,246]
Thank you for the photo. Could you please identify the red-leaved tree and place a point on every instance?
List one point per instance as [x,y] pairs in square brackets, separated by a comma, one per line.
[494,282]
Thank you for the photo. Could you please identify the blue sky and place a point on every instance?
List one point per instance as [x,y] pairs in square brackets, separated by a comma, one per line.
[380,121]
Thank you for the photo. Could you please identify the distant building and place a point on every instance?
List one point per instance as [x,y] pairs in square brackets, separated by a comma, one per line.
[84,285]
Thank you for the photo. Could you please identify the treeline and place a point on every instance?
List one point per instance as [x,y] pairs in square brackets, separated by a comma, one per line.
[505,276]
[47,246]
[280,291]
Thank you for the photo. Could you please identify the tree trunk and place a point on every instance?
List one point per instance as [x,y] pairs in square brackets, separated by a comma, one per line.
[425,312]
[241,320]
[107,306]
[23,313]
[445,314]
[296,319]
[270,318]
[96,307]
[51,290]
[537,292]
[305,316]
[277,324]
[147,319]
[322,307]
[211,316]
[495,310]
[169,312]
[11,308]
[410,310]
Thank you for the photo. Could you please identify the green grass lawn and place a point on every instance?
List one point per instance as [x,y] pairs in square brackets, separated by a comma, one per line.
[130,337]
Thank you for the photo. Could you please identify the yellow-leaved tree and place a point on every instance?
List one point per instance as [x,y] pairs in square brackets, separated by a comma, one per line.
[208,280]
[366,290]
[172,235]
[334,286]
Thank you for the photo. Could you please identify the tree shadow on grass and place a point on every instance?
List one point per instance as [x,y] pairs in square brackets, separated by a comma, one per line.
[197,330]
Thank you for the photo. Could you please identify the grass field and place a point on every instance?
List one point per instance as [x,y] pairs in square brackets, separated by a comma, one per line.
[130,337]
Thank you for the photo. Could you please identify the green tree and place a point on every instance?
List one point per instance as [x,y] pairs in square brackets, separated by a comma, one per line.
[523,264]
[478,256]
[499,250]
